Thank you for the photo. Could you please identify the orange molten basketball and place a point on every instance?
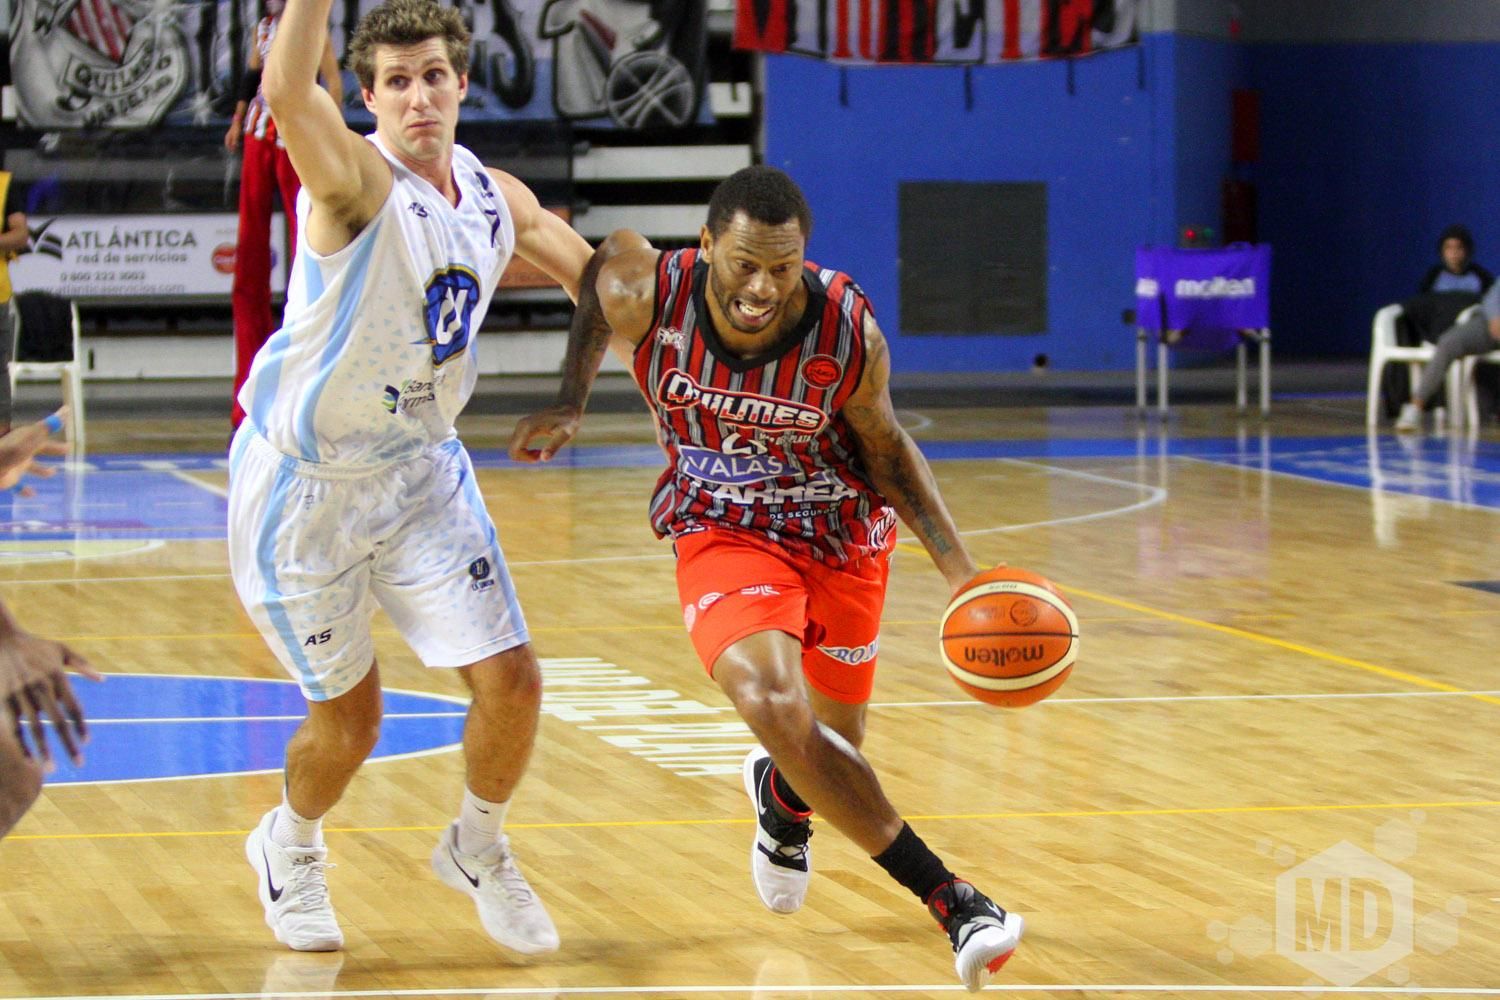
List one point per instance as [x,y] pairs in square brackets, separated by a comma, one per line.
[1009,638]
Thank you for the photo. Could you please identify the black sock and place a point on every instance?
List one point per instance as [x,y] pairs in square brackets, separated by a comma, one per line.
[787,803]
[912,863]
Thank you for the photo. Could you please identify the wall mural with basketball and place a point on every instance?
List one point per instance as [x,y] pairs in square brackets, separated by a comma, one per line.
[129,64]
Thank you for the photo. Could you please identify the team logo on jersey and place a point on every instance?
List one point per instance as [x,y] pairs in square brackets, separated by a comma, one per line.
[392,398]
[670,336]
[452,294]
[678,390]
[821,371]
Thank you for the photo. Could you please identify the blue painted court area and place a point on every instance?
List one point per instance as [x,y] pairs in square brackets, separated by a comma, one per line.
[146,727]
[155,497]
[135,497]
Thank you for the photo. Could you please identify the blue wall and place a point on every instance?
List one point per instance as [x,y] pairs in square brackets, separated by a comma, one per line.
[1101,150]
[1368,151]
[1136,149]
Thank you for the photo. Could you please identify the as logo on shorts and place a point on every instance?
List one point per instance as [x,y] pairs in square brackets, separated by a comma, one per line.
[479,569]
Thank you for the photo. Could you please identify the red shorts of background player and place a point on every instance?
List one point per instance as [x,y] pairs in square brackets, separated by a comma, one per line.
[735,583]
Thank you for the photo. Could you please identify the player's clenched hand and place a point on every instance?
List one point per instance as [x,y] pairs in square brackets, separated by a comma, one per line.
[554,427]
[34,688]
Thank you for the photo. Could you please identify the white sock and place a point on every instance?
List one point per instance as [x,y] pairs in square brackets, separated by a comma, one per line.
[479,822]
[292,830]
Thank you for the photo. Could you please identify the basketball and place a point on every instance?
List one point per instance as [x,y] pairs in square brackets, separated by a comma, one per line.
[1009,638]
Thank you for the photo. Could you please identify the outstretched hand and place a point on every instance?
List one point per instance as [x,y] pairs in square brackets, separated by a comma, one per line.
[20,447]
[34,688]
[556,425]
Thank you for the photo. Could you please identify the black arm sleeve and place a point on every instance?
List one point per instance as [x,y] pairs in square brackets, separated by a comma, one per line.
[249,85]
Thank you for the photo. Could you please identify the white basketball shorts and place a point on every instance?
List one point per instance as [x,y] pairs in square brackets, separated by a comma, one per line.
[314,549]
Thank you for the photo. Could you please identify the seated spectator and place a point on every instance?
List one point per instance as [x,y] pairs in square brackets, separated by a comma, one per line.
[1456,270]
[1446,290]
[1479,334]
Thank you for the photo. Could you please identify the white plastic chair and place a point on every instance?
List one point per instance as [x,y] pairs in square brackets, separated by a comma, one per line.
[1467,365]
[69,372]
[1385,350]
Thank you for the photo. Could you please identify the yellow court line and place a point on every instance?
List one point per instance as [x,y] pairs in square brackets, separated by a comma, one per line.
[1294,647]
[740,821]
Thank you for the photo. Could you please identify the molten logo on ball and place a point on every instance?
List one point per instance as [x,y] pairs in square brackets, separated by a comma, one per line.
[1004,657]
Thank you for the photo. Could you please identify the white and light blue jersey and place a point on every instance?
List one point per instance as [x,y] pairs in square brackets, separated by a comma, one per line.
[376,356]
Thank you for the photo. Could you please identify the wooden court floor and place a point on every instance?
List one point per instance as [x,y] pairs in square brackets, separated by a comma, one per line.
[1274,769]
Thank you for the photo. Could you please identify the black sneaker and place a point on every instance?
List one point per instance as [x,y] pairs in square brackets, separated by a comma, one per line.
[983,934]
[780,858]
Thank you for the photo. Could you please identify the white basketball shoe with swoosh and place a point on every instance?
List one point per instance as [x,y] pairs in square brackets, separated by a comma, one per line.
[293,888]
[508,907]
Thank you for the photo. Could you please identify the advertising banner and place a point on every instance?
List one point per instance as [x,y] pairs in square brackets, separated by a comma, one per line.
[137,256]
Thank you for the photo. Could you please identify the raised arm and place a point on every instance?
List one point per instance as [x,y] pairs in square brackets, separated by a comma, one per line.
[616,297]
[542,237]
[333,81]
[897,468]
[346,177]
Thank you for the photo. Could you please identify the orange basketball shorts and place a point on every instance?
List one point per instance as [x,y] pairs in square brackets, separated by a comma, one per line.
[733,584]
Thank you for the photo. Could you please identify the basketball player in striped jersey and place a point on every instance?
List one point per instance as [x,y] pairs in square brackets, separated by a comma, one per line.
[786,473]
[348,485]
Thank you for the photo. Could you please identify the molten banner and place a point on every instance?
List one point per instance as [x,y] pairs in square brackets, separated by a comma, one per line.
[1222,290]
[958,32]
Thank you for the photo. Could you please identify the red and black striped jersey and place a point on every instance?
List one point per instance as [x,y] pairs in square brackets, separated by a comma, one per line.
[761,445]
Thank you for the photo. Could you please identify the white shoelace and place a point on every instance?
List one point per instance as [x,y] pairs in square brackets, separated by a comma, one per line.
[307,883]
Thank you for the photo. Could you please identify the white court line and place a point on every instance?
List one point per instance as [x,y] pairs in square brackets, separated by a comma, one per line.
[125,579]
[1201,697]
[187,477]
[261,718]
[557,991]
[63,785]
[1154,496]
[1226,463]
[919,421]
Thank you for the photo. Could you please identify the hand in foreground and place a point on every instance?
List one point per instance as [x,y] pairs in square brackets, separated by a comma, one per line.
[20,447]
[34,687]
[557,424]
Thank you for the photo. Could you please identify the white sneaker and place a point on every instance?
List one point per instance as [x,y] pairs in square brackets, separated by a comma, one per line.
[983,935]
[780,856]
[293,888]
[508,907]
[1410,420]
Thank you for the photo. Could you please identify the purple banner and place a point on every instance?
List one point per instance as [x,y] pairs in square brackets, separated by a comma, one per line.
[1224,290]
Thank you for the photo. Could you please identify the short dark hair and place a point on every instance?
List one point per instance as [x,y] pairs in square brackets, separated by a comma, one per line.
[407,22]
[764,194]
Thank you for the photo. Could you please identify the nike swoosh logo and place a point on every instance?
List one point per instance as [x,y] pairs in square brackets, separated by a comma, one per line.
[275,892]
[472,880]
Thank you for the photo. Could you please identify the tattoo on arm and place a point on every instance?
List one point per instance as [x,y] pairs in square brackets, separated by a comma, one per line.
[904,472]
[588,339]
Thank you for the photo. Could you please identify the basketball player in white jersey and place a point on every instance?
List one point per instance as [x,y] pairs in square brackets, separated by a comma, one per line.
[348,486]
